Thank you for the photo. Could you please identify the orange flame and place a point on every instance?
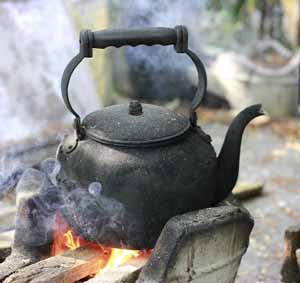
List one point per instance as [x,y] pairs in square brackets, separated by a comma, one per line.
[65,239]
[71,243]
[119,257]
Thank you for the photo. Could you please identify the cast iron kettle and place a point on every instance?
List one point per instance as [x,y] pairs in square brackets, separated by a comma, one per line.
[152,162]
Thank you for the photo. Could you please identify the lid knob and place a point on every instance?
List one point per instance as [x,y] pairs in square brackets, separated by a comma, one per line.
[135,108]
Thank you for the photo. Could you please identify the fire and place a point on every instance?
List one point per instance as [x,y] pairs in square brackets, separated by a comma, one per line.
[65,239]
[119,257]
[71,243]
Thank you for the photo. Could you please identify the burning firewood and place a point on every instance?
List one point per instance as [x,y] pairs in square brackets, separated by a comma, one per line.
[68,267]
[75,265]
[41,232]
[126,273]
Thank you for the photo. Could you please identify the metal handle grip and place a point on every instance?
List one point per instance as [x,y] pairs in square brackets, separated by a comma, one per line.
[177,36]
[134,37]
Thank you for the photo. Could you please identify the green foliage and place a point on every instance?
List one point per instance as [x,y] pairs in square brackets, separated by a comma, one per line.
[242,7]
[239,9]
[236,9]
[240,12]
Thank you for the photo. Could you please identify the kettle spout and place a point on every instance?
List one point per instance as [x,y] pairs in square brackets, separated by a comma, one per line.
[229,156]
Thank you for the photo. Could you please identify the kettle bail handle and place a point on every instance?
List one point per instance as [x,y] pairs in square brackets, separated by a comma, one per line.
[177,36]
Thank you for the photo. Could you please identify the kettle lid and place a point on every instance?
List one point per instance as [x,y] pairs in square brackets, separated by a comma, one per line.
[134,125]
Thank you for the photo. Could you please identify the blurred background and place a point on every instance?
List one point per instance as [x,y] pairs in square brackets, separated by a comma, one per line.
[251,52]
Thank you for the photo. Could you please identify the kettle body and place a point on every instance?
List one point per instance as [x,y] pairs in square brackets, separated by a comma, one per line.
[150,163]
[152,184]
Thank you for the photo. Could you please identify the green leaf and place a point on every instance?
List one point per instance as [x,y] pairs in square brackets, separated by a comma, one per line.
[238,8]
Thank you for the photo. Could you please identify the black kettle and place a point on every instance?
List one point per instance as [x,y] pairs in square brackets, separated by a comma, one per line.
[152,163]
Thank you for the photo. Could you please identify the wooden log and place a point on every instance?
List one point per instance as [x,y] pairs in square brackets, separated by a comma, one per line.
[13,263]
[68,267]
[290,271]
[126,273]
[247,190]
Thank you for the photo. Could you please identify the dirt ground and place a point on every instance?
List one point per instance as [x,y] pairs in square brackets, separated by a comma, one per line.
[268,157]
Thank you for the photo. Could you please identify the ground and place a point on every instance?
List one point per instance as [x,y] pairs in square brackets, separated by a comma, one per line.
[275,161]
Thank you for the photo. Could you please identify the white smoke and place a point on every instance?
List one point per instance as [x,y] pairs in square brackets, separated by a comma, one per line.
[37,41]
[44,191]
